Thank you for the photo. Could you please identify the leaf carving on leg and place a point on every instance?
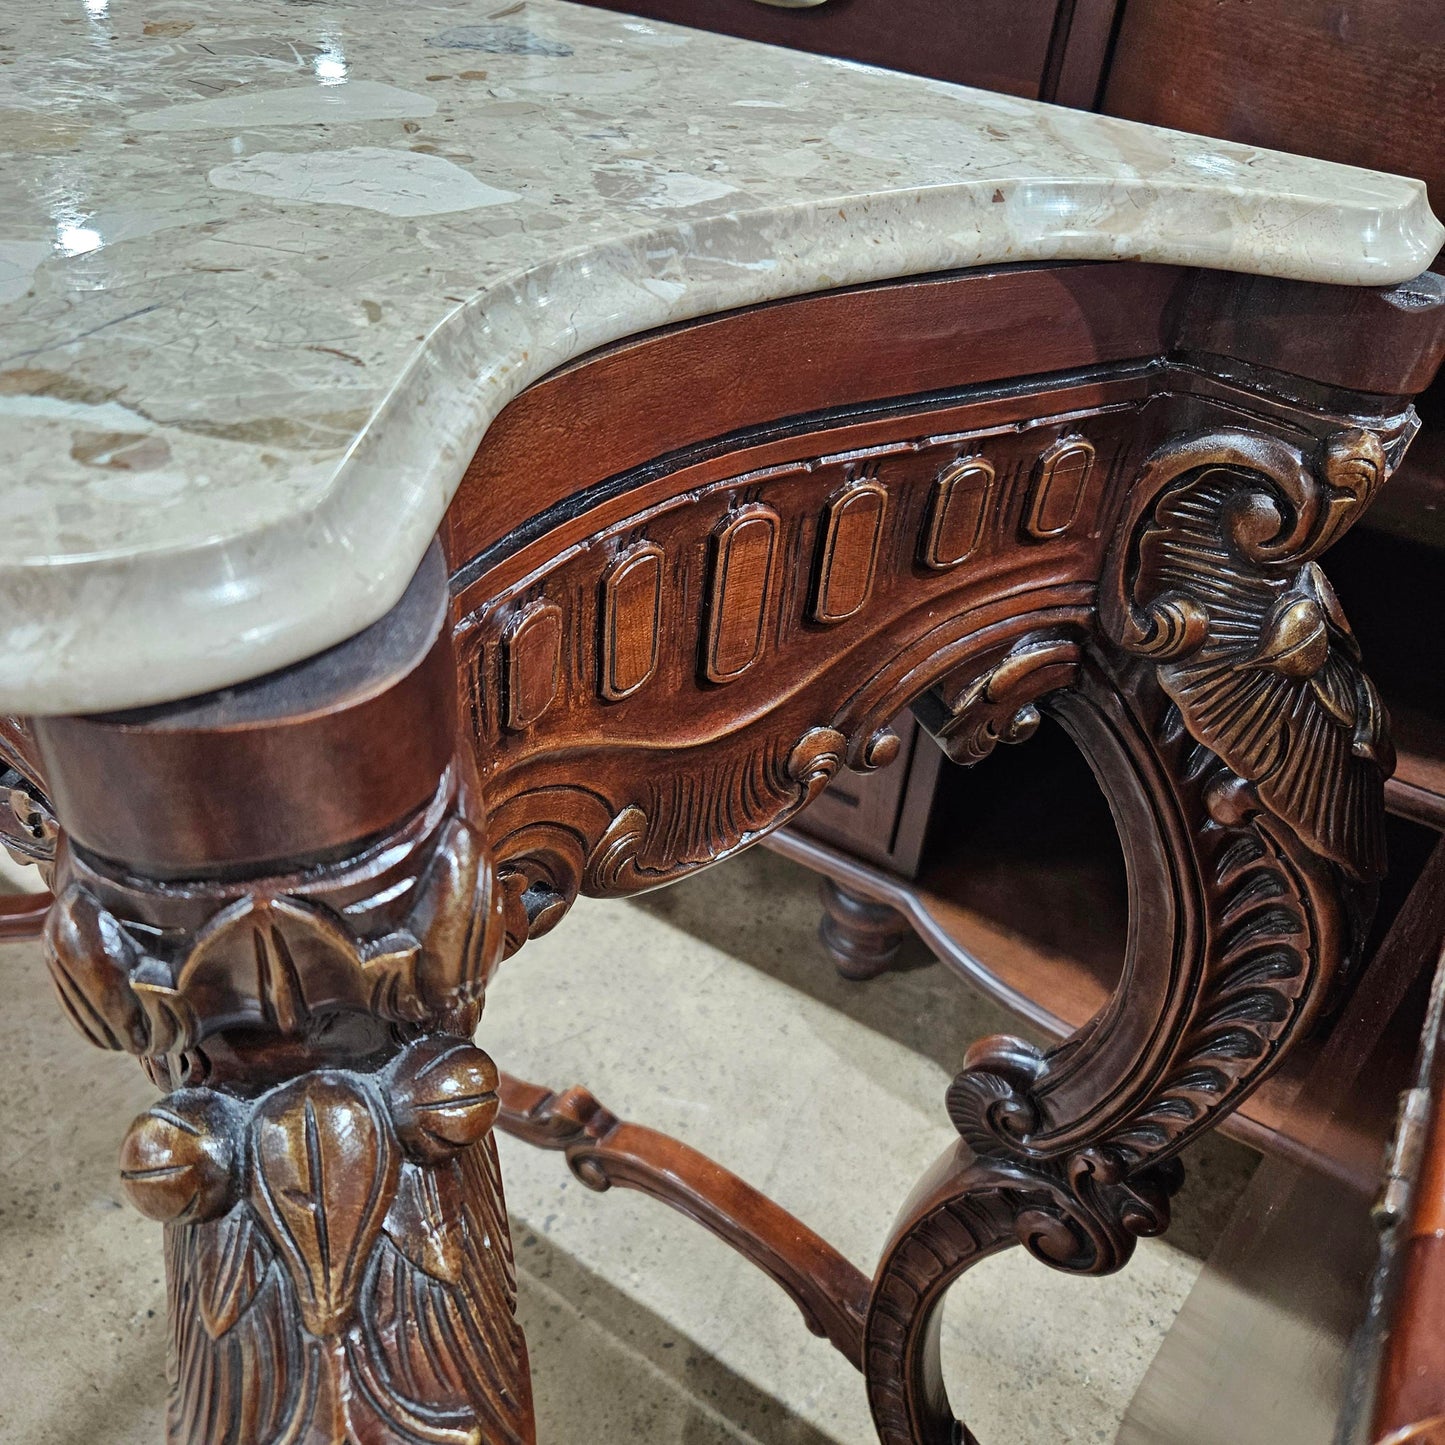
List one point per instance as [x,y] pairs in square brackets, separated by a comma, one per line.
[326,1167]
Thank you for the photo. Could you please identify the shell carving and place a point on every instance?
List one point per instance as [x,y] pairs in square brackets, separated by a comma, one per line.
[1251,642]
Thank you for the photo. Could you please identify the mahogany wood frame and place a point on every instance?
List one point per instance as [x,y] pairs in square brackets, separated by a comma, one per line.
[691,577]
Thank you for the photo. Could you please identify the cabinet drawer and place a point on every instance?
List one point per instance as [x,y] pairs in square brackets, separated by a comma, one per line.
[881,817]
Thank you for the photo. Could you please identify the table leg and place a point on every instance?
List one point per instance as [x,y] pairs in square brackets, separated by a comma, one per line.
[861,935]
[1221,704]
[305,985]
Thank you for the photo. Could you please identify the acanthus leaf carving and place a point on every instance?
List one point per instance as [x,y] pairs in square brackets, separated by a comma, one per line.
[971,714]
[323,1240]
[1221,589]
[324,1170]
[692,821]
[282,952]
[1223,705]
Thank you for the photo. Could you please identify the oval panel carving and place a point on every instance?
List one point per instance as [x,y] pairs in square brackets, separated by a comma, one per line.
[1060,478]
[956,513]
[532,655]
[744,549]
[631,617]
[852,530]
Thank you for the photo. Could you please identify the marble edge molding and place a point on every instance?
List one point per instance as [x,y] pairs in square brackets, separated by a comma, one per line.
[97,633]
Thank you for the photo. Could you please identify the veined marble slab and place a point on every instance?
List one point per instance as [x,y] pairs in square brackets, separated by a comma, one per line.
[267,271]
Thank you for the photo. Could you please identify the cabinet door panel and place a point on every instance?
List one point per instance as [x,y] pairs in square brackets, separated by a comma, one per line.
[1358,81]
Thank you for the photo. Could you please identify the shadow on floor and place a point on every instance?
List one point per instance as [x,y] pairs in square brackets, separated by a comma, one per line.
[606,1368]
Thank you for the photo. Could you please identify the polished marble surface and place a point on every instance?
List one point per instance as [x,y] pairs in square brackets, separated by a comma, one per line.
[267,271]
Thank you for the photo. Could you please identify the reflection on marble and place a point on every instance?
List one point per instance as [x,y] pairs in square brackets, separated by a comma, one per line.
[268,270]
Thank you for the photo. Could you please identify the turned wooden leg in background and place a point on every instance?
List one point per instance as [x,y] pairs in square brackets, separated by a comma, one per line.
[862,937]
[282,900]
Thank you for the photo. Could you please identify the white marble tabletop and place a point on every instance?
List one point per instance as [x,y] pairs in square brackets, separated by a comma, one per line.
[268,269]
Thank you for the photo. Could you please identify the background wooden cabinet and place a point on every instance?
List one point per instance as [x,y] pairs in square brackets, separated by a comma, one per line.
[1043,49]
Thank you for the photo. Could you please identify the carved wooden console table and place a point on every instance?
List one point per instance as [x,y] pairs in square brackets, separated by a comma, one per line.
[759,495]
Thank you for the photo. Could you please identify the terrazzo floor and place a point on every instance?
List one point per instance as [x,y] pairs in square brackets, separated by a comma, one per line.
[709,1011]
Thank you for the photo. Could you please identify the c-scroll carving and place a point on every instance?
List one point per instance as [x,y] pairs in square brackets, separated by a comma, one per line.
[1222,705]
[691,815]
[1221,589]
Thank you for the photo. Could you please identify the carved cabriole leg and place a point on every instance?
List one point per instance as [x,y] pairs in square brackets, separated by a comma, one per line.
[1220,702]
[297,944]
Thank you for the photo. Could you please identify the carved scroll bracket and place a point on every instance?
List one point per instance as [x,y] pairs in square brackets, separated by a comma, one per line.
[1222,705]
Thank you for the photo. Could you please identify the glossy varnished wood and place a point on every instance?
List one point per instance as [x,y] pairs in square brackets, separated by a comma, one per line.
[1050,50]
[603,1150]
[1257,73]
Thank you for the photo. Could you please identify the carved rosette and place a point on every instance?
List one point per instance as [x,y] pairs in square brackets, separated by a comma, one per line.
[1222,704]
[338,1256]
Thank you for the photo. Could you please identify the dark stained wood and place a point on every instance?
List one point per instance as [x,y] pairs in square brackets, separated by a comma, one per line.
[862,935]
[1417,790]
[627,405]
[852,531]
[987,43]
[881,815]
[740,592]
[1292,75]
[533,650]
[981,916]
[957,511]
[1080,51]
[1409,1402]
[1103,560]
[603,1150]
[631,619]
[22,915]
[312,728]
[1259,1353]
[1061,480]
[1412,507]
[1292,327]
[323,1160]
